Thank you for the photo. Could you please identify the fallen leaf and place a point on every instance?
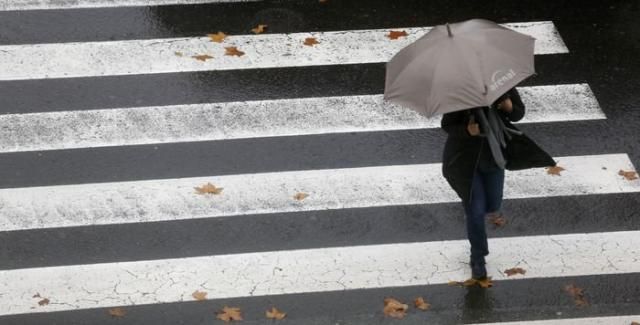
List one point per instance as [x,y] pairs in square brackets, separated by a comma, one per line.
[43,302]
[514,271]
[228,314]
[497,219]
[232,50]
[259,29]
[37,295]
[555,170]
[275,314]
[395,309]
[117,312]
[300,196]
[310,41]
[396,34]
[218,37]
[635,323]
[179,54]
[209,189]
[202,57]
[484,283]
[199,295]
[578,295]
[629,175]
[421,304]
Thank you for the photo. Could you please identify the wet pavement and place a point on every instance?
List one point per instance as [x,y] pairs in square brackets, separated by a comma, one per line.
[603,38]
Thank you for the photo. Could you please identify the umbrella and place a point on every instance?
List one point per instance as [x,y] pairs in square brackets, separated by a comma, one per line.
[459,66]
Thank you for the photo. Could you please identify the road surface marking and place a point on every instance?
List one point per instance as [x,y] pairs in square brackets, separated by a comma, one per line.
[175,199]
[311,270]
[621,320]
[257,119]
[11,5]
[129,57]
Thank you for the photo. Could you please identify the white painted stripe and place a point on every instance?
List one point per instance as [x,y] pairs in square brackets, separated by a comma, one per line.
[10,5]
[65,60]
[269,118]
[173,199]
[610,320]
[311,270]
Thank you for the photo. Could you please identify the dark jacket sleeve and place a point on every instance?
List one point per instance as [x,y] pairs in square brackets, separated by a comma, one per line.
[518,106]
[455,124]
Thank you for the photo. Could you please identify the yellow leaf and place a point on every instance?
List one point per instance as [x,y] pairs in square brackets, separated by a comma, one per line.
[228,314]
[179,54]
[514,271]
[396,34]
[395,309]
[117,312]
[202,57]
[629,175]
[259,29]
[275,314]
[300,196]
[218,37]
[310,41]
[232,50]
[555,170]
[208,189]
[421,304]
[199,295]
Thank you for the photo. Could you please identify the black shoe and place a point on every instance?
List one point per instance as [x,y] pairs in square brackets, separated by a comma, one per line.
[478,270]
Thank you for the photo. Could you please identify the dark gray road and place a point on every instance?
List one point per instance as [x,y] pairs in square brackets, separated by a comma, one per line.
[604,42]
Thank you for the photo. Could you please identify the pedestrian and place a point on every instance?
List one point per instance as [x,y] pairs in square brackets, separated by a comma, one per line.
[481,144]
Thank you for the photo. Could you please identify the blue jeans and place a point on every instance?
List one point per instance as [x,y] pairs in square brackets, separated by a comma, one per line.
[486,197]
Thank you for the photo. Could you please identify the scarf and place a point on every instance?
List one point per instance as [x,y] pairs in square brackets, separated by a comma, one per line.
[495,131]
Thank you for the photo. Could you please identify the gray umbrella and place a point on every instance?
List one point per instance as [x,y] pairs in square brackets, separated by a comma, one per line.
[459,66]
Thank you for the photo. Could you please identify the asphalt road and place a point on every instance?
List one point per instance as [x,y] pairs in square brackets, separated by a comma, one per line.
[603,39]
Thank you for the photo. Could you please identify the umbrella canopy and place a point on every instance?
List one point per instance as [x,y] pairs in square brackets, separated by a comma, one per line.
[459,66]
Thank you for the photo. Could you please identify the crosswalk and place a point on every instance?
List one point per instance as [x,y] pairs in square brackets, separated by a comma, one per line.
[78,217]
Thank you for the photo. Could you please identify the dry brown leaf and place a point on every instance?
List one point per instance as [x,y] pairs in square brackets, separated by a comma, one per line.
[259,29]
[300,196]
[37,295]
[497,219]
[394,34]
[179,54]
[395,309]
[421,304]
[629,175]
[635,323]
[202,57]
[232,50]
[117,312]
[275,314]
[578,295]
[43,302]
[199,295]
[555,170]
[514,271]
[228,314]
[218,37]
[208,189]
[310,41]
[484,283]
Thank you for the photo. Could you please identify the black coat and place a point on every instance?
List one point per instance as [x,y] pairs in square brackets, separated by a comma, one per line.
[462,152]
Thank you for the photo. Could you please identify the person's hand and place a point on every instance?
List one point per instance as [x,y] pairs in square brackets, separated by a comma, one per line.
[506,105]
[473,128]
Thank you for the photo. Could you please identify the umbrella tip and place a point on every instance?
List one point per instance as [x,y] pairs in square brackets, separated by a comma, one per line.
[449,30]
